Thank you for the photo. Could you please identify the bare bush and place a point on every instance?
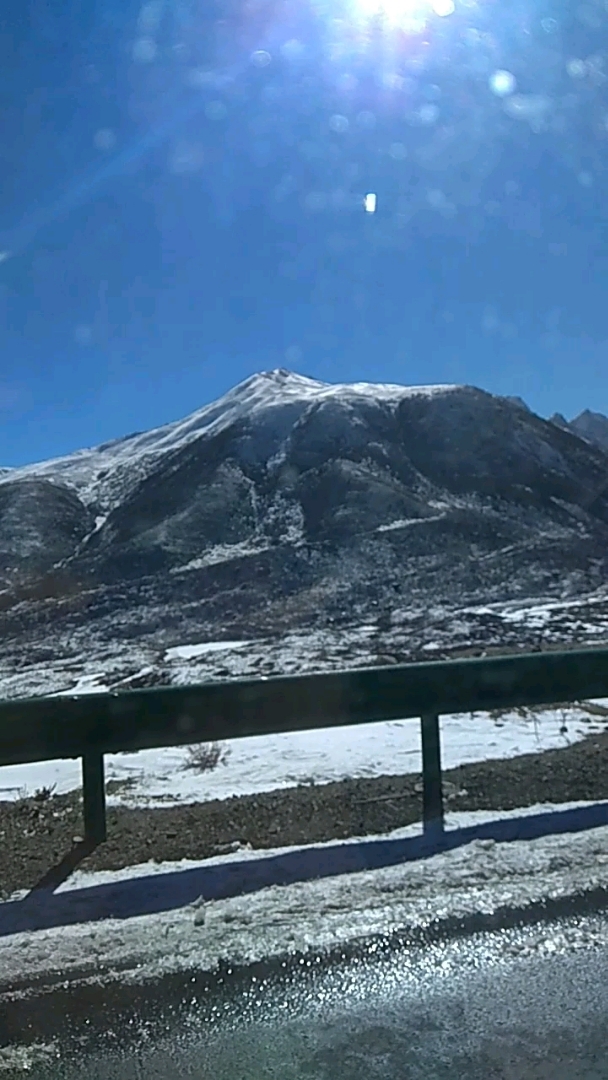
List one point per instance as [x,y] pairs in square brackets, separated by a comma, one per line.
[44,793]
[204,757]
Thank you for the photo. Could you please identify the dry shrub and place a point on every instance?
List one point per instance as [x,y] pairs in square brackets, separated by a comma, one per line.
[204,757]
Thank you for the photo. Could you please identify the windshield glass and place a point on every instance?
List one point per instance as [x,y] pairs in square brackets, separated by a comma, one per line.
[303,326]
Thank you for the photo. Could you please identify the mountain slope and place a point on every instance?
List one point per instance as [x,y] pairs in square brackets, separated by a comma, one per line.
[340,463]
[41,523]
[290,503]
[588,425]
[592,426]
[103,474]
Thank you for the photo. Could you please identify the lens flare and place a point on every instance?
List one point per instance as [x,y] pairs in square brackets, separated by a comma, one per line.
[404,12]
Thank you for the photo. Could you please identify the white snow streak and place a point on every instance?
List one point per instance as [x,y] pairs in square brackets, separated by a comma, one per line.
[188,652]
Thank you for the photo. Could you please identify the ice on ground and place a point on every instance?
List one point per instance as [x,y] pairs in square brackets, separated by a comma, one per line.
[317,914]
[273,762]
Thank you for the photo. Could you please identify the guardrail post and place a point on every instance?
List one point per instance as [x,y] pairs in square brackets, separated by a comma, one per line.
[432,788]
[94,797]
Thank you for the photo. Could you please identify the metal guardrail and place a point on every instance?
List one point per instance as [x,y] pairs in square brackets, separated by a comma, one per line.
[42,729]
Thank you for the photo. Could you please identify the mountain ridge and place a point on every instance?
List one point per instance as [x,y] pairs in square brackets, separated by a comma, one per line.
[588,425]
[290,503]
[279,438]
[252,396]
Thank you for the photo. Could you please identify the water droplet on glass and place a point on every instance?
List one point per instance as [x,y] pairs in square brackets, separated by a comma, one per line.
[432,92]
[428,114]
[398,151]
[413,24]
[577,69]
[366,119]
[502,83]
[144,50]
[149,16]
[530,107]
[338,123]
[261,58]
[443,7]
[292,49]
[347,83]
[105,139]
[393,81]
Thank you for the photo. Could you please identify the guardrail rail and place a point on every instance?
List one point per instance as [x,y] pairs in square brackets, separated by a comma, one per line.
[88,727]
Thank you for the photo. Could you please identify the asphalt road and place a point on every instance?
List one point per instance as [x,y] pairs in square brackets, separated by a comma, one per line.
[527,1004]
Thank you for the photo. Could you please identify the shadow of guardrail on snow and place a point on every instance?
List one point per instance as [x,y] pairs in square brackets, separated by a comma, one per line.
[155,893]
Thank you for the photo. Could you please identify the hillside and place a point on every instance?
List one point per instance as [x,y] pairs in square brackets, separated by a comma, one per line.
[291,505]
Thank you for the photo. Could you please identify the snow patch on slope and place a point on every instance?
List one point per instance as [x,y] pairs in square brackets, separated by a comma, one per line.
[86,684]
[188,652]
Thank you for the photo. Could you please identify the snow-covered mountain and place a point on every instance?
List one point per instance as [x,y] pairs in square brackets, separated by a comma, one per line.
[290,504]
[272,401]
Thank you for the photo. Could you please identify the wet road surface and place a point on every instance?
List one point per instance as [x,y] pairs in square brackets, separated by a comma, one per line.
[528,1004]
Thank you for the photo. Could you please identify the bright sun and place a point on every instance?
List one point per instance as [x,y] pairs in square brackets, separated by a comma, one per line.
[405,11]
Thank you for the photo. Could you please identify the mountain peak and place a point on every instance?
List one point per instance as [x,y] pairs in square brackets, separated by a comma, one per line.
[589,415]
[277,397]
[271,401]
[592,426]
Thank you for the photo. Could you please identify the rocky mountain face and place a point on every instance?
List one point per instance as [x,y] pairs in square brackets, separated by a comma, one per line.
[588,425]
[291,504]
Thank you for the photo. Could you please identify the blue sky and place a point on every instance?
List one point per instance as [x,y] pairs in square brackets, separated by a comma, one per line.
[183,207]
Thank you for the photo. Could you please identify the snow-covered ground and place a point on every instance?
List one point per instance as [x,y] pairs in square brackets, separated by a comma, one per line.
[266,763]
[188,652]
[257,919]
[274,919]
[312,914]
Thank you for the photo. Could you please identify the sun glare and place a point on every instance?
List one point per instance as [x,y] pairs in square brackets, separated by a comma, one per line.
[405,12]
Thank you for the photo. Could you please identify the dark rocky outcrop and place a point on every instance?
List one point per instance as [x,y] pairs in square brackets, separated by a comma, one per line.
[41,524]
